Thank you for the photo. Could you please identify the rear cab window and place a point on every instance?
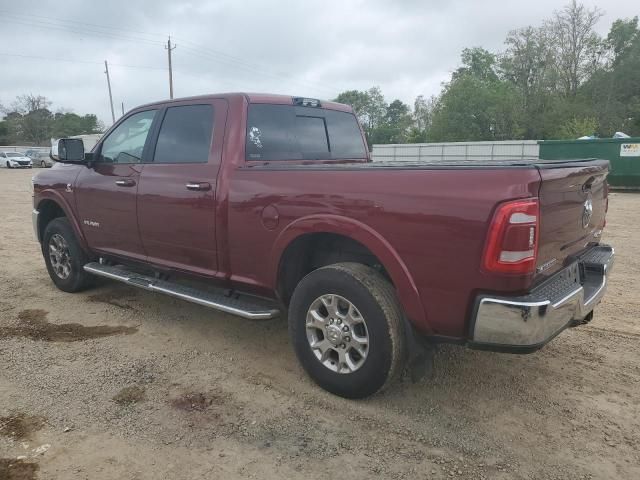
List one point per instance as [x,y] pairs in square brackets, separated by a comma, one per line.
[290,132]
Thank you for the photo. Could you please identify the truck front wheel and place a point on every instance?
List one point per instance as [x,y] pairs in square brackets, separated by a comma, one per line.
[64,256]
[346,326]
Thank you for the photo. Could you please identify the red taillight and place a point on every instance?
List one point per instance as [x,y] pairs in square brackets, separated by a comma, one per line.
[512,241]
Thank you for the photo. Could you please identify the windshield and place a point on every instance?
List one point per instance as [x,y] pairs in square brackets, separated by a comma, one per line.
[13,154]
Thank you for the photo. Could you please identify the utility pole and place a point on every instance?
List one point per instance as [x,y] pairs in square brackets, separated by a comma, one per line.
[123,109]
[168,48]
[106,71]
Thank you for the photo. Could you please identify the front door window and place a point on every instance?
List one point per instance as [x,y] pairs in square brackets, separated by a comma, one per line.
[126,143]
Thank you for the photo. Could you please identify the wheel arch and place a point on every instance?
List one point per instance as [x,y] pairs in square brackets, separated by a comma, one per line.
[321,227]
[52,205]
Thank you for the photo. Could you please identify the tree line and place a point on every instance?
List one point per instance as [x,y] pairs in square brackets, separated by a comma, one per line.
[556,80]
[29,121]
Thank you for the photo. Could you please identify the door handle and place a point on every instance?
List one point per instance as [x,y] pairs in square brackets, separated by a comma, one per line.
[127,182]
[201,186]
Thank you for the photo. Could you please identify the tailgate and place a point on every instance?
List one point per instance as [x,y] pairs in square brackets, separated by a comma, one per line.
[573,203]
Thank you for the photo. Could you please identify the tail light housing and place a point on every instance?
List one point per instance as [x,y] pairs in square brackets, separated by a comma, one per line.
[512,241]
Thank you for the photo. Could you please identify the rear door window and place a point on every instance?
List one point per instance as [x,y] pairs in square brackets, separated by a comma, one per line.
[287,132]
[185,135]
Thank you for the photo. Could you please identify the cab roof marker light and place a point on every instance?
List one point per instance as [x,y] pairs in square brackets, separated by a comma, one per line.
[306,102]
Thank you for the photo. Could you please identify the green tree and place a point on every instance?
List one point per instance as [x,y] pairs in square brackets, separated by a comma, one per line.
[29,121]
[376,107]
[575,43]
[476,104]
[622,37]
[66,124]
[528,64]
[370,108]
[613,91]
[578,127]
[358,100]
[551,81]
[479,63]
[5,138]
[422,117]
[13,125]
[395,126]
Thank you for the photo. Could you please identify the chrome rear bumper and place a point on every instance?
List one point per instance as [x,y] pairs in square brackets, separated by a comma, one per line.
[525,324]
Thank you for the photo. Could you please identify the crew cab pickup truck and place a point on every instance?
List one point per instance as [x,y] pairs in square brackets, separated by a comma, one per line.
[257,205]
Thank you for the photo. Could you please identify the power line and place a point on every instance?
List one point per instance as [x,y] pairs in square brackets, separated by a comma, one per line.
[38,57]
[203,52]
[212,55]
[235,85]
[240,61]
[248,68]
[82,31]
[74,22]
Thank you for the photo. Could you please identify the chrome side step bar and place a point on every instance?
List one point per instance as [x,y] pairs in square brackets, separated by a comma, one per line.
[246,306]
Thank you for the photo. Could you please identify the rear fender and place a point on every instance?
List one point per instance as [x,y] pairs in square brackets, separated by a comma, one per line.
[376,243]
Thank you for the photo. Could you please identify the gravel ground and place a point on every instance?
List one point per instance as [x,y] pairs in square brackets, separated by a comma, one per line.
[148,387]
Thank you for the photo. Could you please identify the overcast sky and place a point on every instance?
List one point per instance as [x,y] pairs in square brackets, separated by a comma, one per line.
[314,48]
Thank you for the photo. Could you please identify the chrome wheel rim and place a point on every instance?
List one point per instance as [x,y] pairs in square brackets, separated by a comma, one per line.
[59,256]
[337,333]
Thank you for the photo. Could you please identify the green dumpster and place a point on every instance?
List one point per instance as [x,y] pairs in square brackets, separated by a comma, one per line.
[623,153]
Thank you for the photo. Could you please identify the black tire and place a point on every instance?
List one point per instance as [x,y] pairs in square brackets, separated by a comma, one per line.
[9,165]
[43,164]
[77,279]
[375,299]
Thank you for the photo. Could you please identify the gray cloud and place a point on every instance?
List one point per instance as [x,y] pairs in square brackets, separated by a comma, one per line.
[313,48]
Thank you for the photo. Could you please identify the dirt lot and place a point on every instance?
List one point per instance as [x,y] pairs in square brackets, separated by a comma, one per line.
[148,387]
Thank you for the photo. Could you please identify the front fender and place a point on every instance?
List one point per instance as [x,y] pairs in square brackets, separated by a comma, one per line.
[374,241]
[59,199]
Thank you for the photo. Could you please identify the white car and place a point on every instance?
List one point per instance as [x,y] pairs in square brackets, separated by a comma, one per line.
[15,160]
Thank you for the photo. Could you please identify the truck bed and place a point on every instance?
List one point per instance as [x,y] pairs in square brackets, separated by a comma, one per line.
[434,216]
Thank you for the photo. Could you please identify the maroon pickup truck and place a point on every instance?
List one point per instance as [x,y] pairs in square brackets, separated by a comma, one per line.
[261,204]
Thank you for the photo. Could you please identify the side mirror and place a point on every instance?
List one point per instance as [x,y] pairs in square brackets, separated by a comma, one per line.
[71,150]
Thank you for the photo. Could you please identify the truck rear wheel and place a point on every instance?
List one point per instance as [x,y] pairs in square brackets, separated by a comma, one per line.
[64,257]
[346,326]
